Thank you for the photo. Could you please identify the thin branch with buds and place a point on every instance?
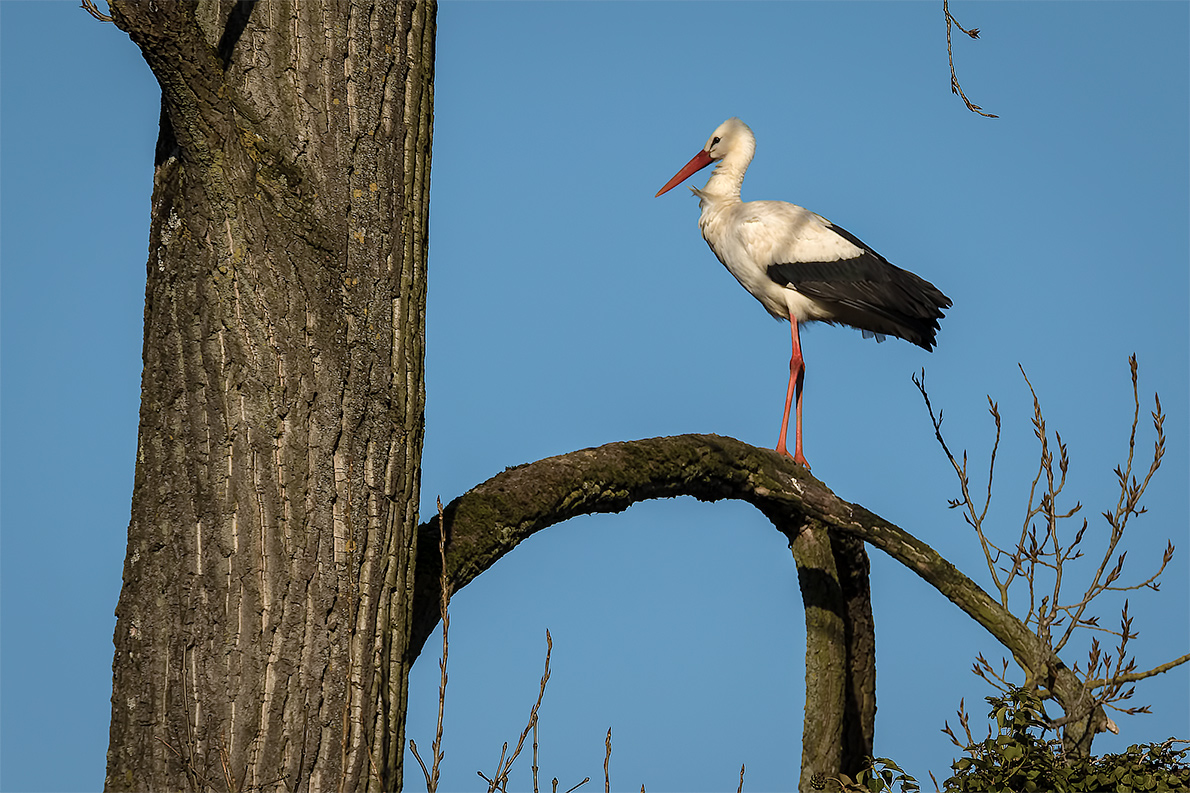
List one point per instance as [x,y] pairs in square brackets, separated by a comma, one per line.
[955,88]
[974,516]
[1128,505]
[1042,559]
[607,759]
[431,775]
[499,780]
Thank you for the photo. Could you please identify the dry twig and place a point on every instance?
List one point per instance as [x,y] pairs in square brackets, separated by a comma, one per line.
[607,758]
[499,780]
[974,516]
[92,9]
[431,775]
[1041,557]
[955,88]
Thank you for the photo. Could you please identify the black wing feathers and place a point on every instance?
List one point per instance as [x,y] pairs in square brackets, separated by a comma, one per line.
[869,293]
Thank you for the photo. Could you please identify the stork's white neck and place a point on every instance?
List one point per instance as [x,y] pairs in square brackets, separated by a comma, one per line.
[729,172]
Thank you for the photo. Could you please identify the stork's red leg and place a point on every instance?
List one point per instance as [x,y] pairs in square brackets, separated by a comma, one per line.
[797,373]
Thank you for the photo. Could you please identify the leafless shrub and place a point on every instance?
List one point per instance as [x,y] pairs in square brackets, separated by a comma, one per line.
[1042,556]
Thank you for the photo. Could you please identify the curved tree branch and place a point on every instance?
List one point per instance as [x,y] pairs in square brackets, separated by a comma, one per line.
[832,569]
[491,519]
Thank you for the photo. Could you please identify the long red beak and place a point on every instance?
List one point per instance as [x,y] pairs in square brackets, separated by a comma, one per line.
[700,161]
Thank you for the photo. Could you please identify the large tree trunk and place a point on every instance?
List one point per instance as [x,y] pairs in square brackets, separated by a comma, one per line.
[263,623]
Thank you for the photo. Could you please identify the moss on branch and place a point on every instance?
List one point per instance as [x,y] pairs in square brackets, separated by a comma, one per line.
[491,519]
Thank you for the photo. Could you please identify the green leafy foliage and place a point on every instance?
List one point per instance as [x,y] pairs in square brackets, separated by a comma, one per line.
[880,775]
[1016,757]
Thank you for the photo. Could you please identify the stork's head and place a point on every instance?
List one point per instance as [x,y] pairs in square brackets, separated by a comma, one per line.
[732,140]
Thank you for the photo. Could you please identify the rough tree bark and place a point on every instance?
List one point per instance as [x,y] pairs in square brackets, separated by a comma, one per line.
[260,638]
[492,518]
[270,608]
[840,716]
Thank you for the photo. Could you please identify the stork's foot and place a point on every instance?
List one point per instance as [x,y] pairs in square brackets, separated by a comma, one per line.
[797,457]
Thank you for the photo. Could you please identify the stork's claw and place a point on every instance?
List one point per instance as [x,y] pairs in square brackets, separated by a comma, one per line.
[798,458]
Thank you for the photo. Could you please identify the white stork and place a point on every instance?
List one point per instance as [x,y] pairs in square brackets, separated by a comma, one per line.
[802,267]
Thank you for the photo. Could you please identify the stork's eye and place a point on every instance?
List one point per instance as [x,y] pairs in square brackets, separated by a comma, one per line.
[715,142]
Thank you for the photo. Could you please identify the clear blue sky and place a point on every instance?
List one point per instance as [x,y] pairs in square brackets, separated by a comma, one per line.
[569,308]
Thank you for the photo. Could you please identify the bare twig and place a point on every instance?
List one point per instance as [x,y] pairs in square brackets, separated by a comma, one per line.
[532,725]
[372,765]
[535,769]
[431,775]
[973,515]
[954,80]
[740,789]
[494,782]
[499,780]
[92,9]
[420,762]
[165,743]
[225,766]
[998,680]
[1128,505]
[436,748]
[607,758]
[198,780]
[1132,677]
[1042,550]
